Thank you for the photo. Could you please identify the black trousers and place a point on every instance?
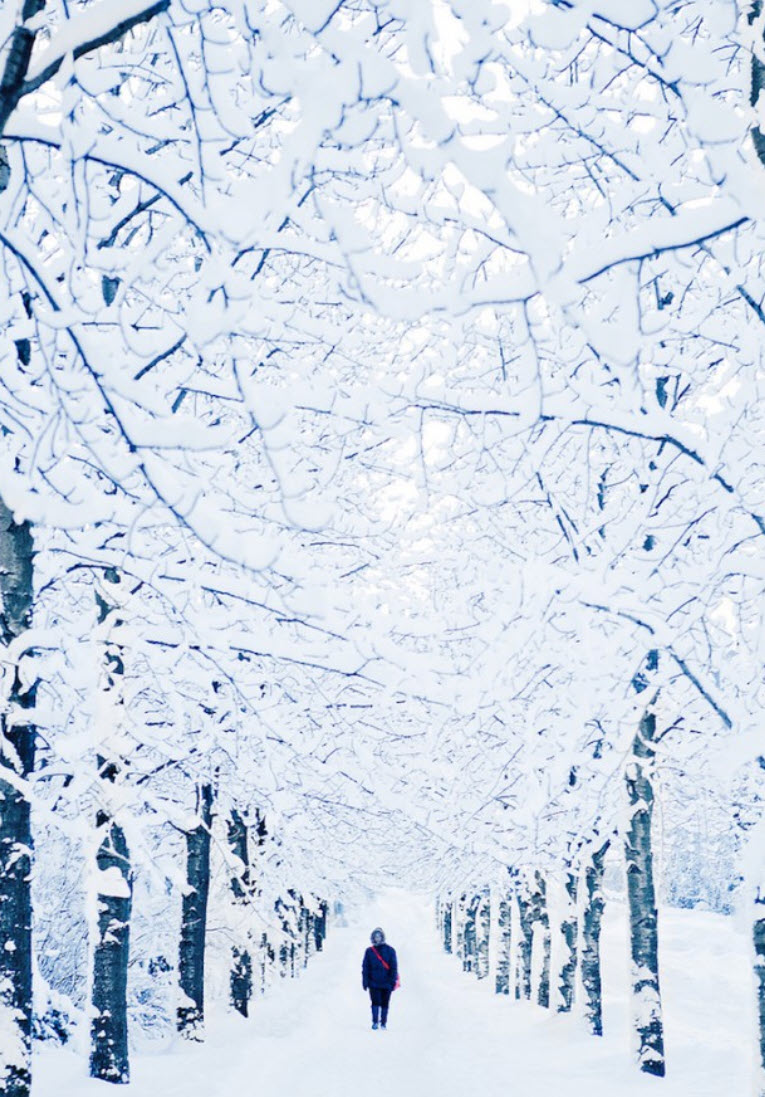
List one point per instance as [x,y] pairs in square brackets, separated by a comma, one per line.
[380,1001]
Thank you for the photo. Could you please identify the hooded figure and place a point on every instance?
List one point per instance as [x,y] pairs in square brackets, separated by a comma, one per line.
[379,975]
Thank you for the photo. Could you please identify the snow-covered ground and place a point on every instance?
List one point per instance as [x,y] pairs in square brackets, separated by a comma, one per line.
[449,1034]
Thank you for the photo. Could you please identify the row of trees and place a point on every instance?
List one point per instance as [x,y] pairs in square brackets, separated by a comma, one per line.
[384,460]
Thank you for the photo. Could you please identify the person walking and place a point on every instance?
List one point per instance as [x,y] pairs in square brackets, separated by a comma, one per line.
[379,975]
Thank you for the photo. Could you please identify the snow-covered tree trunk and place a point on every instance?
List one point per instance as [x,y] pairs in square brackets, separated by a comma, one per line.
[641,895]
[109,1057]
[759,971]
[294,926]
[470,932]
[267,957]
[191,956]
[241,961]
[17,749]
[483,930]
[306,922]
[534,922]
[504,924]
[525,945]
[447,926]
[320,925]
[459,927]
[591,923]
[542,919]
[570,933]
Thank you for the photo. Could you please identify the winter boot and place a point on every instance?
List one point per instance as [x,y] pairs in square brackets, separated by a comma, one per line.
[384,1018]
[375,1015]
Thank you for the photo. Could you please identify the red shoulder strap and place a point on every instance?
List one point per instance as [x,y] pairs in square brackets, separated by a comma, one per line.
[379,957]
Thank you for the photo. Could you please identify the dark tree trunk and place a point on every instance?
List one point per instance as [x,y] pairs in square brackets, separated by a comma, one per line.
[593,916]
[290,914]
[109,1059]
[447,927]
[191,961]
[470,945]
[644,919]
[525,946]
[570,933]
[533,912]
[320,926]
[483,929]
[267,956]
[459,916]
[308,934]
[542,919]
[109,1029]
[17,751]
[504,920]
[241,960]
[759,971]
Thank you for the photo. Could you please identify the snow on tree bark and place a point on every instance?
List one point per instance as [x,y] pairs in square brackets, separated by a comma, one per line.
[17,752]
[483,930]
[303,931]
[459,927]
[470,934]
[191,957]
[570,933]
[591,923]
[109,1055]
[641,895]
[504,922]
[542,919]
[447,926]
[109,1059]
[758,936]
[320,925]
[534,925]
[525,945]
[241,960]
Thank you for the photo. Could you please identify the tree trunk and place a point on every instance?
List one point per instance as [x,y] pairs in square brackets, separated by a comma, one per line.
[241,960]
[759,971]
[593,916]
[109,1030]
[459,915]
[644,940]
[447,927]
[525,947]
[320,926]
[533,914]
[191,962]
[109,1059]
[17,752]
[306,919]
[504,921]
[542,919]
[290,918]
[470,946]
[569,931]
[483,930]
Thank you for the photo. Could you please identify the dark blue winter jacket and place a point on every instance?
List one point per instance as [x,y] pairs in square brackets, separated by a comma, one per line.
[373,972]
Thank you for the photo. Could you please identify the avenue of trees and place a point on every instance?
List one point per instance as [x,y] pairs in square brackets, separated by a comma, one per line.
[381,454]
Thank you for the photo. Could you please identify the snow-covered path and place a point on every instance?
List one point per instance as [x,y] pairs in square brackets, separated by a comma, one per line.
[447,1035]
